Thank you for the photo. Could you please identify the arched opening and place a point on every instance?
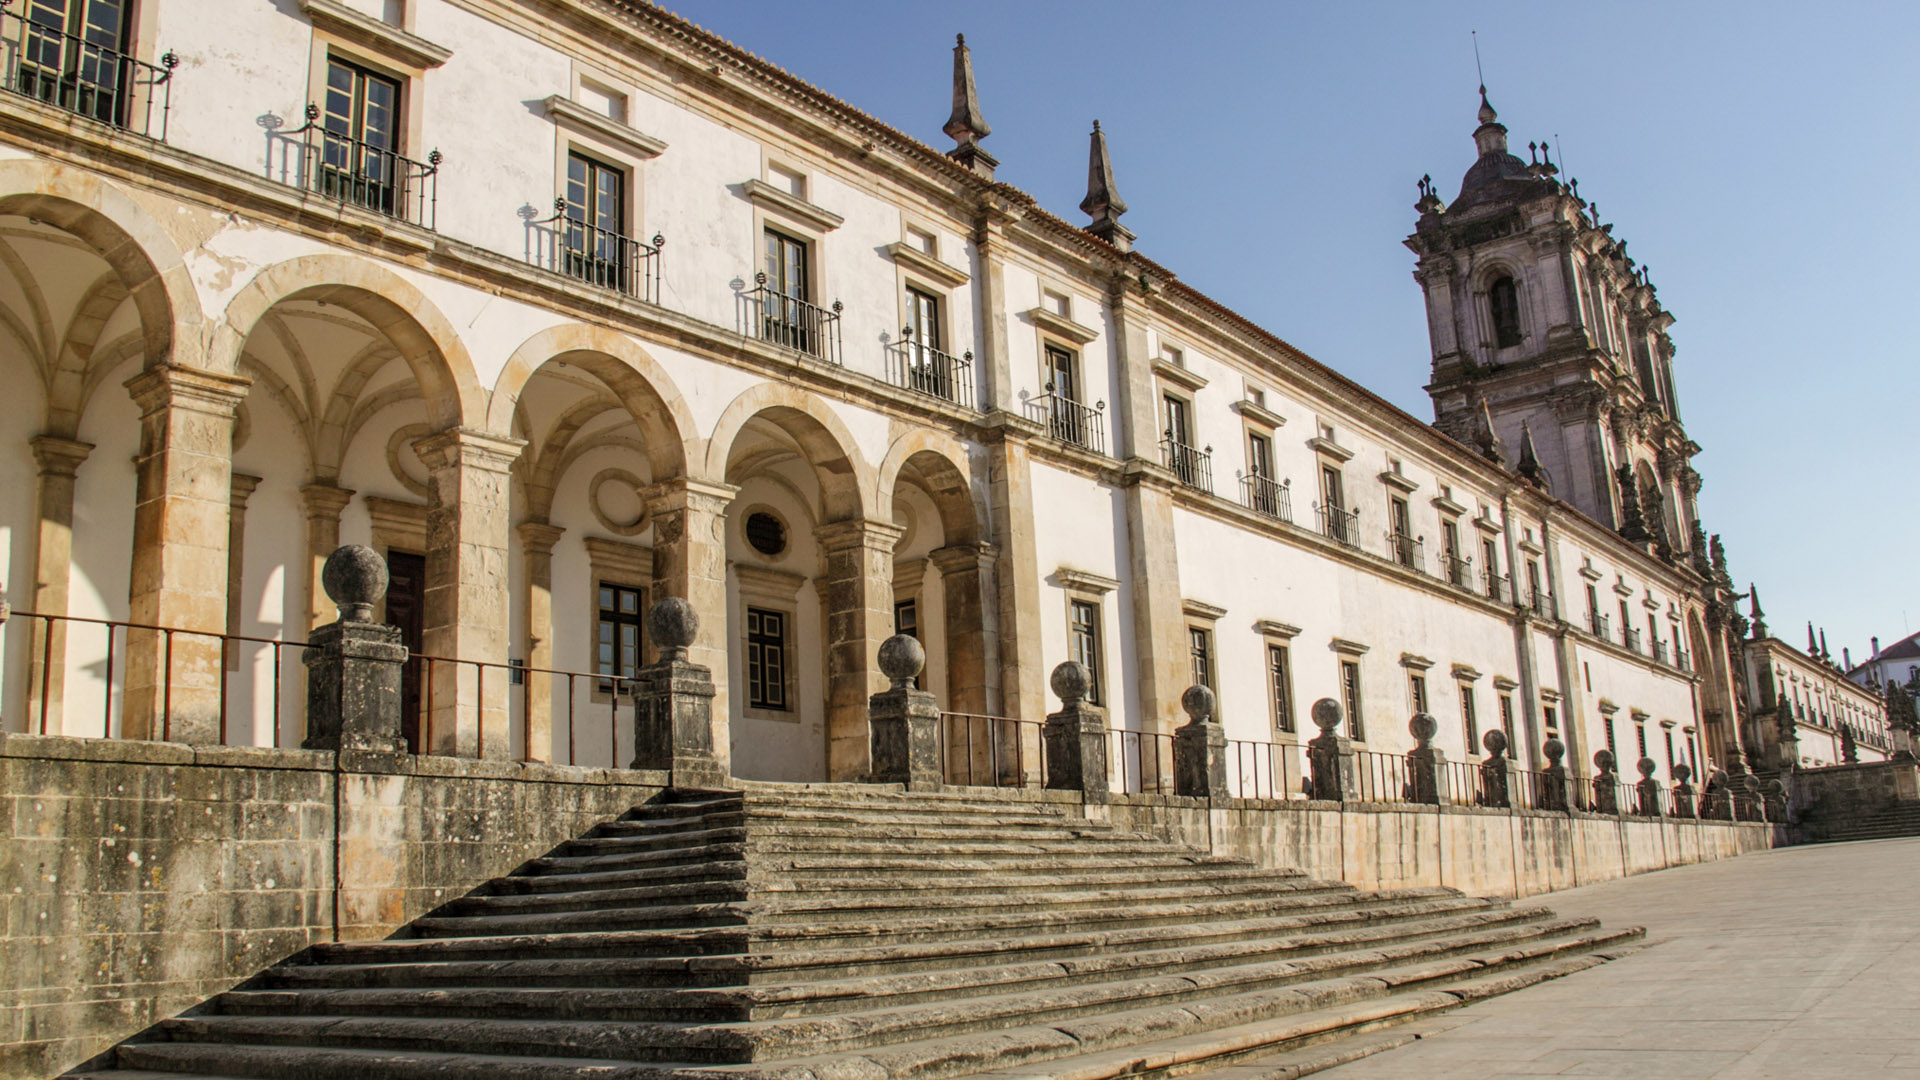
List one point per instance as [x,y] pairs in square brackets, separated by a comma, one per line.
[1503,298]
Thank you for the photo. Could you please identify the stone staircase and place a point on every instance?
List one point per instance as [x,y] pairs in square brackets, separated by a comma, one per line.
[1881,824]
[860,933]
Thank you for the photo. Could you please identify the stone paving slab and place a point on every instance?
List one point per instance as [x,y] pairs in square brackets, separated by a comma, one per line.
[1801,963]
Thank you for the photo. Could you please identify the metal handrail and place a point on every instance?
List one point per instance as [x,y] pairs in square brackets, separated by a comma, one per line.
[992,751]
[356,172]
[1340,524]
[1265,770]
[598,256]
[1630,638]
[1498,587]
[1142,761]
[1408,551]
[1265,495]
[1070,421]
[70,73]
[926,370]
[1459,571]
[1193,467]
[1598,624]
[792,322]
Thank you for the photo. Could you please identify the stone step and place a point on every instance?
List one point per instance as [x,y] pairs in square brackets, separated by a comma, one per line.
[712,862]
[174,1060]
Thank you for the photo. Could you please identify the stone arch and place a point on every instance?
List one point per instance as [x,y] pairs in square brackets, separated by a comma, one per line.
[400,311]
[942,461]
[127,238]
[845,477]
[634,376]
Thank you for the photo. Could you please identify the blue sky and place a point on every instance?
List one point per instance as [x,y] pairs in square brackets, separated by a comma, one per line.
[1759,157]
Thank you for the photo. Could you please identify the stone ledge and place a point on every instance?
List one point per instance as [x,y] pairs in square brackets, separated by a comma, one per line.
[71,748]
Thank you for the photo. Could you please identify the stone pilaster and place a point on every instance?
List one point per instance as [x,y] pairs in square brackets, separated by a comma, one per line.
[1200,749]
[1076,738]
[1330,755]
[183,491]
[903,723]
[536,552]
[1017,575]
[242,490]
[59,460]
[323,504]
[996,372]
[856,584]
[673,725]
[973,627]
[1163,669]
[354,664]
[690,562]
[466,593]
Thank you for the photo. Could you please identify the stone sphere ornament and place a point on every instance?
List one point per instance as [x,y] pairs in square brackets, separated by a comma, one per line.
[1603,761]
[1554,750]
[1682,773]
[355,578]
[1198,702]
[1071,681]
[901,658]
[1326,715]
[672,624]
[1646,768]
[1495,741]
[1423,728]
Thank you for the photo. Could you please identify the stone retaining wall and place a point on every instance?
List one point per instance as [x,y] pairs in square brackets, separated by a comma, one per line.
[140,878]
[1842,790]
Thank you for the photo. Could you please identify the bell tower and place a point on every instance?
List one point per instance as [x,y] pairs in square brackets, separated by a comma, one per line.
[1547,338]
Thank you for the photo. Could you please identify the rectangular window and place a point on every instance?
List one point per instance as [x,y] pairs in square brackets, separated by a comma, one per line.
[621,609]
[1200,644]
[786,316]
[1612,748]
[360,138]
[1534,596]
[1331,493]
[1060,374]
[906,620]
[767,659]
[1350,694]
[1667,734]
[1551,716]
[1491,552]
[1402,521]
[1506,719]
[1417,690]
[1259,456]
[1178,420]
[1640,737]
[1083,643]
[1280,677]
[1470,717]
[596,220]
[73,54]
[1067,419]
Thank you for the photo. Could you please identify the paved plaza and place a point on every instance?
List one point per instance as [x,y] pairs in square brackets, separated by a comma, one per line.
[1803,962]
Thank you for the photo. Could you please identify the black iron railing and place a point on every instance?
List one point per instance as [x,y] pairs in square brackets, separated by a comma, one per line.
[1265,495]
[1597,623]
[927,370]
[1193,467]
[1497,586]
[1070,421]
[69,72]
[1682,659]
[785,320]
[567,245]
[1408,551]
[1340,524]
[357,172]
[1543,604]
[1659,650]
[1459,571]
[1630,638]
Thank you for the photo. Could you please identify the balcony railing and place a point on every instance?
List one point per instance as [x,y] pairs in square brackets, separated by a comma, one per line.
[68,72]
[1659,650]
[1630,638]
[1070,421]
[992,751]
[1408,551]
[1265,495]
[926,370]
[1459,571]
[567,245]
[1193,467]
[1543,603]
[1682,659]
[356,172]
[1598,625]
[1340,524]
[1497,586]
[792,322]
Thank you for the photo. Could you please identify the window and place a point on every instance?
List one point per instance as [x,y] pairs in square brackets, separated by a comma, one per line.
[1450,550]
[1333,499]
[1593,610]
[1640,737]
[596,222]
[1417,691]
[786,316]
[619,635]
[1402,520]
[1200,644]
[1060,374]
[1535,597]
[1612,748]
[1504,298]
[1067,418]
[928,370]
[1262,493]
[1179,453]
[1470,718]
[766,659]
[765,533]
[1551,717]
[73,54]
[906,620]
[1667,735]
[1083,643]
[1280,677]
[1491,551]
[1626,625]
[360,144]
[1331,491]
[1350,695]
[1506,718]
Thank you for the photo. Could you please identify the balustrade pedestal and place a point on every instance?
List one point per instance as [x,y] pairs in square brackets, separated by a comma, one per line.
[673,703]
[354,664]
[1076,738]
[904,723]
[1200,749]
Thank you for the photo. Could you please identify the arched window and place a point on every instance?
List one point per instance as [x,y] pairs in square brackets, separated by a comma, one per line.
[1504,296]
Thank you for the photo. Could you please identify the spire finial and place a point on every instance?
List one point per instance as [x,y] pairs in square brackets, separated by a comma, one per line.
[1103,200]
[1759,617]
[966,126]
[1529,465]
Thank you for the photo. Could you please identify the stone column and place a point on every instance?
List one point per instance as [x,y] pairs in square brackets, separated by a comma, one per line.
[973,646]
[1606,784]
[242,488]
[60,460]
[1076,738]
[536,549]
[323,504]
[1496,788]
[1683,806]
[1200,749]
[690,562]
[179,573]
[1648,790]
[1330,755]
[1017,575]
[1163,668]
[904,723]
[857,601]
[673,703]
[466,593]
[1425,762]
[354,664]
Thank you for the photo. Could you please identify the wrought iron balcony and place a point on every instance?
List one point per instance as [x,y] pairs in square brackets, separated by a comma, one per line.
[1682,659]
[1543,603]
[1598,625]
[567,245]
[1408,551]
[1459,571]
[792,322]
[929,371]
[71,73]
[1070,421]
[336,166]
[1265,495]
[1659,650]
[1340,524]
[1193,467]
[1630,638]
[1497,586]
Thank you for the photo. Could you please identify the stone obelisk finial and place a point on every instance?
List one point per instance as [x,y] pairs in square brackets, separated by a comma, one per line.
[966,125]
[1103,200]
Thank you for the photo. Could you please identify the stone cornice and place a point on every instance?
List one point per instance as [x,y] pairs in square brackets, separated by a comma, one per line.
[1199,609]
[571,114]
[912,258]
[1259,415]
[389,42]
[1179,376]
[1057,324]
[767,197]
[1085,581]
[1275,628]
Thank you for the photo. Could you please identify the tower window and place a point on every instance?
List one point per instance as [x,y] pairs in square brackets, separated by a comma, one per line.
[1504,297]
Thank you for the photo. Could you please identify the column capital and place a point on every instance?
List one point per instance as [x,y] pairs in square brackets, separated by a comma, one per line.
[688,493]
[538,537]
[59,456]
[242,487]
[469,448]
[959,558]
[325,501]
[858,532]
[166,386]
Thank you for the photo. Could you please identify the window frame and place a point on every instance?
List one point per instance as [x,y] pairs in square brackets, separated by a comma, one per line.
[1470,717]
[604,682]
[1508,333]
[783,643]
[1280,686]
[1352,698]
[1092,657]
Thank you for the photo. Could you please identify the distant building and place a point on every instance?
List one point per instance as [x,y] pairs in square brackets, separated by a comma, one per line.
[1898,662]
